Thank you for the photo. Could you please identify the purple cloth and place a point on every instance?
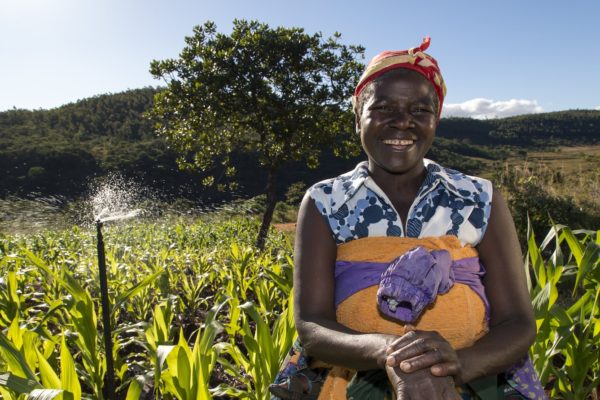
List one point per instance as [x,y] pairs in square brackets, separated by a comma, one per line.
[353,276]
[412,282]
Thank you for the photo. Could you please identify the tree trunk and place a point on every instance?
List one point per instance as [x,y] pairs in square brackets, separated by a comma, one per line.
[268,215]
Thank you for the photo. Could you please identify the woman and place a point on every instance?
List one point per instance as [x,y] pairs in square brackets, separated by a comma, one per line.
[386,270]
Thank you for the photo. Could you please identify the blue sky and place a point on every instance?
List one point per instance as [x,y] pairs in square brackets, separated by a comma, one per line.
[498,58]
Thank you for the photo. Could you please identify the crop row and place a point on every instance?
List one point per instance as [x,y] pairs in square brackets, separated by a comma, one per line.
[197,312]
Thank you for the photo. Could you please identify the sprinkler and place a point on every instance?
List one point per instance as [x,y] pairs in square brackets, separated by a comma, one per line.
[109,377]
[111,202]
[109,380]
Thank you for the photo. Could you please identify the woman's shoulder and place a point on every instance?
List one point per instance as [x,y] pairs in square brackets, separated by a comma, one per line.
[332,191]
[462,184]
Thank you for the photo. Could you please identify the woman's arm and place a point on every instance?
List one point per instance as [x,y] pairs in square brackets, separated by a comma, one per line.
[314,289]
[512,323]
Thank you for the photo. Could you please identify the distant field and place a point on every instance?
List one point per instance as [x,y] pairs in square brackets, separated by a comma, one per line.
[569,159]
[568,171]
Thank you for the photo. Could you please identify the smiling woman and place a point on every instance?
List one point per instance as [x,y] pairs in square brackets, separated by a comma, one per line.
[392,299]
[397,124]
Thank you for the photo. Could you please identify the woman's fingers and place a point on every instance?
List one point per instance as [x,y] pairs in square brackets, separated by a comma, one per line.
[427,360]
[410,335]
[445,369]
[432,345]
[414,350]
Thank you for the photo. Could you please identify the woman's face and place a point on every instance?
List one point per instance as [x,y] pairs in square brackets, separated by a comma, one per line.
[398,121]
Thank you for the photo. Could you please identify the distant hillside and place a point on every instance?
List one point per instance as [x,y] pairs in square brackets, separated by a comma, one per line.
[566,128]
[58,151]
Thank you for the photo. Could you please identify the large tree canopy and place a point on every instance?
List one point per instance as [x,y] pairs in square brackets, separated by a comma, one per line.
[280,93]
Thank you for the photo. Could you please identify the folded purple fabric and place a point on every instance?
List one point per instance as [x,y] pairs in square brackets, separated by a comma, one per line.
[353,276]
[412,281]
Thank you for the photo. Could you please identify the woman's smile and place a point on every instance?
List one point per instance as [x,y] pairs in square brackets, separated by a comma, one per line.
[399,144]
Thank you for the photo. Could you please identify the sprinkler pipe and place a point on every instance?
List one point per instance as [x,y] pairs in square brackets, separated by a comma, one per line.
[109,377]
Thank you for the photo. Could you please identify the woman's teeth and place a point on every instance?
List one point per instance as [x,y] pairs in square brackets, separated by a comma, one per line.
[398,142]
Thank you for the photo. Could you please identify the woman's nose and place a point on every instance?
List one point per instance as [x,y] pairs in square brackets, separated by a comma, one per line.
[400,119]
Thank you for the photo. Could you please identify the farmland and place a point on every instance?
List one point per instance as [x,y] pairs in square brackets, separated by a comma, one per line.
[197,312]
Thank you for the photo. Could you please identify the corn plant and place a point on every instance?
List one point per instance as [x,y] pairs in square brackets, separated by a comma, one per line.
[164,278]
[265,345]
[188,372]
[24,356]
[565,292]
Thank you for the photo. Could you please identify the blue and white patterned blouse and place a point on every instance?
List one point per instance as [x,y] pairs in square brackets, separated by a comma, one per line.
[448,203]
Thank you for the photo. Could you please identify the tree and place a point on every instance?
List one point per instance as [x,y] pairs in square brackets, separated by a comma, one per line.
[280,94]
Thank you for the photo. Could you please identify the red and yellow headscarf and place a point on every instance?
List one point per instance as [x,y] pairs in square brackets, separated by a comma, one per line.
[414,59]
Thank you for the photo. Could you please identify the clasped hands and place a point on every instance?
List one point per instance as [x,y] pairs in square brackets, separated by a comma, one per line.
[422,365]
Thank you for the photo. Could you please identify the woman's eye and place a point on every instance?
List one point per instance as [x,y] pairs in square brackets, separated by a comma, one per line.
[381,107]
[422,110]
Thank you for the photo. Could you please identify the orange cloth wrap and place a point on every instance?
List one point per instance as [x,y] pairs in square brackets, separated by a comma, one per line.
[459,315]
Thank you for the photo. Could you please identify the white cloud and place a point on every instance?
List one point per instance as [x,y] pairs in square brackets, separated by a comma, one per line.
[598,108]
[485,108]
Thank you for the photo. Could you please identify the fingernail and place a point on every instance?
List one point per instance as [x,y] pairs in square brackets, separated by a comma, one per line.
[390,361]
[405,366]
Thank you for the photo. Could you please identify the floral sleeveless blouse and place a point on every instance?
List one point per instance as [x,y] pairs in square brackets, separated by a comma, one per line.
[448,203]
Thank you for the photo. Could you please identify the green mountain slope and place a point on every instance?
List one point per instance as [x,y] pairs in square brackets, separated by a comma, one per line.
[58,151]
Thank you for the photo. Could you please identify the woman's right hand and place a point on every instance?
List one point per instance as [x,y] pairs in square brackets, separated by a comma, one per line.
[421,385]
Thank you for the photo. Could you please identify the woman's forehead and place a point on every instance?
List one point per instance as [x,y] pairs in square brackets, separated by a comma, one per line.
[403,82]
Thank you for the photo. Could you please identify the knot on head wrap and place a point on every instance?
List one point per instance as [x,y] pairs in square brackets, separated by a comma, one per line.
[415,59]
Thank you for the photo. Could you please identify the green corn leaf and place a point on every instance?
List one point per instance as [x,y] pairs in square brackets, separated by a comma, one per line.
[184,368]
[6,395]
[596,322]
[581,302]
[47,375]
[537,262]
[30,341]
[552,234]
[18,384]
[561,315]
[283,283]
[49,394]
[162,352]
[15,361]
[574,245]
[82,311]
[68,375]
[122,298]
[212,327]
[135,389]
[15,334]
[587,263]
[542,300]
[14,301]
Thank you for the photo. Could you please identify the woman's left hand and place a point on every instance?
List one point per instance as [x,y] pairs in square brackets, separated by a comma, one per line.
[416,350]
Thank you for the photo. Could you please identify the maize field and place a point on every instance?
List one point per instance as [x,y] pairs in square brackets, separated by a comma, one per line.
[198,313]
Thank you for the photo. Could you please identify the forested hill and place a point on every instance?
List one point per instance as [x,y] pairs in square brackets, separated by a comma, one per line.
[59,150]
[568,128]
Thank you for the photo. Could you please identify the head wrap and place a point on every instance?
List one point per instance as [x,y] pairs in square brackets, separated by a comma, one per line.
[414,59]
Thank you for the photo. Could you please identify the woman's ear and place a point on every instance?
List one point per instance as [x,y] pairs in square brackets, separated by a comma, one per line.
[357,123]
